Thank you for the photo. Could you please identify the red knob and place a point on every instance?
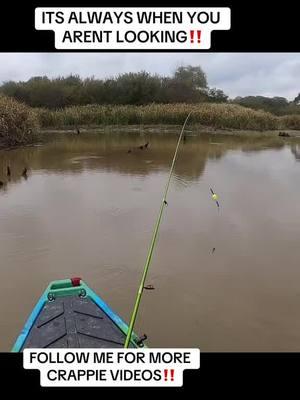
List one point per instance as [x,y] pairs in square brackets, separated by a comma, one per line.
[75,281]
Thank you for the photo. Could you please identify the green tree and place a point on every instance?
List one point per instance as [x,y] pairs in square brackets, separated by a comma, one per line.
[136,88]
[194,77]
[217,96]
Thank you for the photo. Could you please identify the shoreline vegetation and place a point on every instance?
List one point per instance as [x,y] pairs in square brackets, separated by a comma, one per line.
[21,124]
[212,116]
[137,102]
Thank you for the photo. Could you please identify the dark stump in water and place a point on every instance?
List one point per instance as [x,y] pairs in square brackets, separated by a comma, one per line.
[284,134]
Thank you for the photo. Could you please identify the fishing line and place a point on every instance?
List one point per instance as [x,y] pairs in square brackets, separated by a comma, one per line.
[153,241]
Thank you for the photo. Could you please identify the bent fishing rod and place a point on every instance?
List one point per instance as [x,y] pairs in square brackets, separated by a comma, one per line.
[153,241]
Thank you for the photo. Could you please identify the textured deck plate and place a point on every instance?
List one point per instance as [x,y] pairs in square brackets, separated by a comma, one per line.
[75,322]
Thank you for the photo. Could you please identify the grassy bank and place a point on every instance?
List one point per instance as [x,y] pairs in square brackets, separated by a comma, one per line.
[218,116]
[19,123]
[214,115]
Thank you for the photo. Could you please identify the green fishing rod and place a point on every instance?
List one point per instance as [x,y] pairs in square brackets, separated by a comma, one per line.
[153,241]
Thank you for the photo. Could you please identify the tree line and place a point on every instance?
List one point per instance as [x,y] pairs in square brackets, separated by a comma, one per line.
[188,84]
[276,105]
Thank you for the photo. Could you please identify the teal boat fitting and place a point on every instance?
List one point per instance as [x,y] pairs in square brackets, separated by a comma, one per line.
[70,314]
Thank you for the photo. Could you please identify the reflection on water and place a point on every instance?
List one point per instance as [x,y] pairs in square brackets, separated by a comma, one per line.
[224,280]
[295,148]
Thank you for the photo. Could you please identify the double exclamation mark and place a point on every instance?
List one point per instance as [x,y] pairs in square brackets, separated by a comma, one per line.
[192,34]
[166,371]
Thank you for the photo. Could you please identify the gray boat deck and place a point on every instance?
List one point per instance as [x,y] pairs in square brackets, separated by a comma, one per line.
[73,322]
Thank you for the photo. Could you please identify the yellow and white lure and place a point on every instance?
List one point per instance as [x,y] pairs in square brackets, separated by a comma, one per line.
[215,197]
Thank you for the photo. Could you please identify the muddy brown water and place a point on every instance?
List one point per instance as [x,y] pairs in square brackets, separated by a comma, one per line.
[225,280]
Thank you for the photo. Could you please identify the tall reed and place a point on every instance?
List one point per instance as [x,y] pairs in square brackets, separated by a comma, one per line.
[19,123]
[223,116]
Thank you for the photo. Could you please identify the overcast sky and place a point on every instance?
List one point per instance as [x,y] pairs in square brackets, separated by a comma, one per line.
[238,74]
